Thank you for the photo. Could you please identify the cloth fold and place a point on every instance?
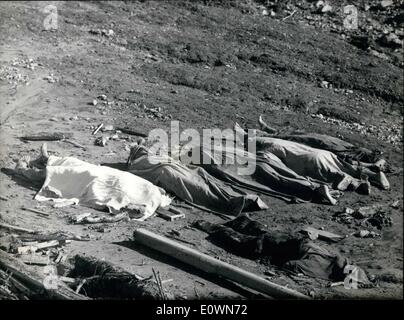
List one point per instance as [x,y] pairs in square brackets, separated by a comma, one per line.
[191,183]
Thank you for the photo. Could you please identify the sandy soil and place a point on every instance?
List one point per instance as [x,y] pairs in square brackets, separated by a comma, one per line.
[207,65]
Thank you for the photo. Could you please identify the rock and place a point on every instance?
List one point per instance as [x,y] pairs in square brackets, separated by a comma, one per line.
[107,33]
[114,137]
[101,141]
[95,31]
[265,12]
[379,54]
[385,4]
[323,7]
[51,78]
[366,234]
[349,210]
[326,8]
[361,42]
[108,127]
[320,4]
[122,42]
[53,119]
[95,102]
[380,220]
[396,204]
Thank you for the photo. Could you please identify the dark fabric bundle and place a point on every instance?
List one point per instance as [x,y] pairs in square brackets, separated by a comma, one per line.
[250,239]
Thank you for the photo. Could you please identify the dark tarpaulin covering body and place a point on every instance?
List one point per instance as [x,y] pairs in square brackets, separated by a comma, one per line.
[191,184]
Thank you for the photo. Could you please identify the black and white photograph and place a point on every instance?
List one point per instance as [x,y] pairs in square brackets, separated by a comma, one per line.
[218,152]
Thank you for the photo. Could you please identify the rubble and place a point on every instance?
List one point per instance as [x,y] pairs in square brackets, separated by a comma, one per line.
[97,128]
[373,216]
[366,234]
[13,76]
[101,141]
[108,127]
[391,133]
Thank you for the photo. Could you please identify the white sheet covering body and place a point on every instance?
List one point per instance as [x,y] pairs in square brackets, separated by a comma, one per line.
[70,179]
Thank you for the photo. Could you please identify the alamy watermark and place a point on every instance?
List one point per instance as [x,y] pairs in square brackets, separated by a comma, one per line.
[212,146]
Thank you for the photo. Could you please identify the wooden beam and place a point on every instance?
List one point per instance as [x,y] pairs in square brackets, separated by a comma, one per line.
[213,266]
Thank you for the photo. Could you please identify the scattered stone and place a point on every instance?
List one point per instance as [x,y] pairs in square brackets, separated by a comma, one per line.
[320,4]
[108,127]
[396,204]
[326,8]
[349,210]
[101,141]
[365,212]
[95,31]
[102,97]
[323,7]
[380,220]
[391,132]
[366,234]
[391,40]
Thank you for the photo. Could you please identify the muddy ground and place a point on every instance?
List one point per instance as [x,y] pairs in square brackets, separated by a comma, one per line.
[206,64]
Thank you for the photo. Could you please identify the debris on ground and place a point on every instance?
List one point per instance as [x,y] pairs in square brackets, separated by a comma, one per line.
[212,265]
[172,214]
[134,81]
[51,78]
[103,280]
[56,136]
[314,234]
[98,128]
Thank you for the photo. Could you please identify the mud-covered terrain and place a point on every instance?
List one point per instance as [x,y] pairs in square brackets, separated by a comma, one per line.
[206,64]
